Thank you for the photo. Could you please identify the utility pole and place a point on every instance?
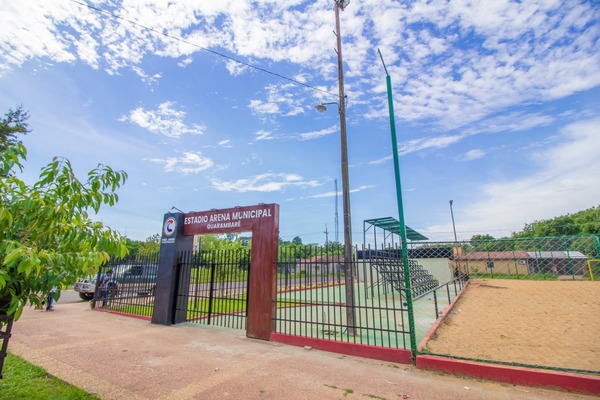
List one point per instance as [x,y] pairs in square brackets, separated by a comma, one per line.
[348,262]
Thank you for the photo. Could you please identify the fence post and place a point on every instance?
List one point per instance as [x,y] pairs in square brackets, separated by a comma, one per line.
[407,282]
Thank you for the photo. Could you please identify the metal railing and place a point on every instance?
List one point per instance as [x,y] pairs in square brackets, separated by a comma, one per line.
[213,287]
[127,286]
[311,295]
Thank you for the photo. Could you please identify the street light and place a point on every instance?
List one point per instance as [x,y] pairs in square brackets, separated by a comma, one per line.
[349,267]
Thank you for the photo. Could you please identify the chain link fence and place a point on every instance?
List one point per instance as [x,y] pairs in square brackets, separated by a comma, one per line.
[530,302]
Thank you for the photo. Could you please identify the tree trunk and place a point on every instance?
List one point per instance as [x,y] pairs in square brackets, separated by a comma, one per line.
[6,322]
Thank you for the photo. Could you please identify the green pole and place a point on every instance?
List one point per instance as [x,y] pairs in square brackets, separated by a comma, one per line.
[407,283]
[597,245]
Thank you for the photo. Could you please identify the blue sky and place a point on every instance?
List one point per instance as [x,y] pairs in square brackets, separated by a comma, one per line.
[497,107]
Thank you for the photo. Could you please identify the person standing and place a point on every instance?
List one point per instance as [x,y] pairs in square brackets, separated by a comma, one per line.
[50,299]
[105,287]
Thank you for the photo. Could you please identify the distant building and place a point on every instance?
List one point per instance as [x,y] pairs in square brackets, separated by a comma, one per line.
[496,262]
[558,262]
[320,265]
[522,262]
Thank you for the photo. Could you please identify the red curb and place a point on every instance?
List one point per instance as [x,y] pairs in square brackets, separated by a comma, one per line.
[124,314]
[401,356]
[585,384]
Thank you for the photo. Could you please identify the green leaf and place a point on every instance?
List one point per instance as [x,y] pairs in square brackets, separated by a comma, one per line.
[12,257]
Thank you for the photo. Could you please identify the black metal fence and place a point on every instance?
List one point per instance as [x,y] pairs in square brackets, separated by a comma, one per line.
[213,287]
[313,300]
[127,285]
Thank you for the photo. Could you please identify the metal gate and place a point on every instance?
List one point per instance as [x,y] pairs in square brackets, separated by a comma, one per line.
[213,287]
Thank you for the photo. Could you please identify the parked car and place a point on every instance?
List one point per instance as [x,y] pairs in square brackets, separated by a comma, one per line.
[137,279]
[86,288]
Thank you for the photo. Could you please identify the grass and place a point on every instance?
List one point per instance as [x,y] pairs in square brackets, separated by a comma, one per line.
[528,277]
[195,306]
[22,380]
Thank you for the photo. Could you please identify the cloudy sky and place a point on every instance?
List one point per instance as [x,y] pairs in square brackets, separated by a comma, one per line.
[210,104]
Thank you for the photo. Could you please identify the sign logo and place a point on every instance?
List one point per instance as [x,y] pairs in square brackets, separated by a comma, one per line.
[170,226]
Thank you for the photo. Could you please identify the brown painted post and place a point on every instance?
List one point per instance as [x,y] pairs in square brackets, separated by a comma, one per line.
[263,221]
[263,278]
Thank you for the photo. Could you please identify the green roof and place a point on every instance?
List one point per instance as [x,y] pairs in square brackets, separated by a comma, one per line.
[393,225]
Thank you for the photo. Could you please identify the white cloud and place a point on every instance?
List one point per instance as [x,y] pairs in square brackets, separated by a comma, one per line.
[333,194]
[261,107]
[471,155]
[517,52]
[509,122]
[282,99]
[439,142]
[33,33]
[268,182]
[147,79]
[235,68]
[263,135]
[185,62]
[189,163]
[382,160]
[318,134]
[164,121]
[418,145]
[566,180]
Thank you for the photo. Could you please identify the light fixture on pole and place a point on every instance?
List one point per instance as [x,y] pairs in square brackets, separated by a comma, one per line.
[322,107]
[348,263]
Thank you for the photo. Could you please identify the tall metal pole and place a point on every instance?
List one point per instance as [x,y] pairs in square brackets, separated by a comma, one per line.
[457,249]
[453,227]
[348,264]
[406,269]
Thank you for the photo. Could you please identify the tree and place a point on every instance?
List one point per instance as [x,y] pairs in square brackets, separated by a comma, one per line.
[151,245]
[582,222]
[14,122]
[133,246]
[482,238]
[47,237]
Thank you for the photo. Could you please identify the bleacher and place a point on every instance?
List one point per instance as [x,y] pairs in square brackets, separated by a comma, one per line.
[391,270]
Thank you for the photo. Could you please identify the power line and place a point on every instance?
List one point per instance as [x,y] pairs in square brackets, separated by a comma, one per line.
[217,53]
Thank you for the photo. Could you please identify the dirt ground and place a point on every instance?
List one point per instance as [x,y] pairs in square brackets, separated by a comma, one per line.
[544,323]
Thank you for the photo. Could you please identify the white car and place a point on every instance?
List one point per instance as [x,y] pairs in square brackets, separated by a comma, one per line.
[86,288]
